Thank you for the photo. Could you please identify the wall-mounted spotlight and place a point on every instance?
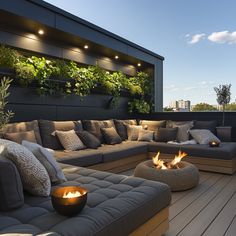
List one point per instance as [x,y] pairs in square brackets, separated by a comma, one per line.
[116,57]
[86,46]
[139,64]
[40,31]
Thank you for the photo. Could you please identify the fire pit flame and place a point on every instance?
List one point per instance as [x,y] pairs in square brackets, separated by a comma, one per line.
[160,164]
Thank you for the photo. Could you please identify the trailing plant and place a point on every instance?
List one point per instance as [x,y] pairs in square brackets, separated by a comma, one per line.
[223,97]
[8,57]
[139,106]
[5,115]
[60,69]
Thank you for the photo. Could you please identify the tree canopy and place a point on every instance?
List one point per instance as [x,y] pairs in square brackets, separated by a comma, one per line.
[204,107]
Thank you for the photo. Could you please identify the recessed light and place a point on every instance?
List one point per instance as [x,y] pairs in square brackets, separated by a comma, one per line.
[86,46]
[116,57]
[41,32]
[139,64]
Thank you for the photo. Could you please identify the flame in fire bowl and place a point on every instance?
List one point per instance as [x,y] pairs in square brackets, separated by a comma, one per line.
[186,176]
[70,200]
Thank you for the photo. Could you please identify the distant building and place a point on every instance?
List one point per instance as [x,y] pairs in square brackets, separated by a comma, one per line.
[180,105]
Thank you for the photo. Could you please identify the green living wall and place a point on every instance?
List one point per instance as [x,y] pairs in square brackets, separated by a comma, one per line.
[62,77]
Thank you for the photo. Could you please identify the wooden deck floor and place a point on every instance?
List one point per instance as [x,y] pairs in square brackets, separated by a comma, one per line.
[207,210]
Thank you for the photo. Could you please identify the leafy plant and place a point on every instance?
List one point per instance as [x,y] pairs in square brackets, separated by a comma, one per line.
[5,116]
[25,71]
[138,105]
[8,57]
[223,97]
[60,69]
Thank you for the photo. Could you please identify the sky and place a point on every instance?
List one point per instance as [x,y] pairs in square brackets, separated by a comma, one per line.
[196,37]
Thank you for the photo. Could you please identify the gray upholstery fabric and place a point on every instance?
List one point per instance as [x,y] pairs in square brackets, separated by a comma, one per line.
[210,125]
[116,206]
[203,136]
[94,127]
[111,136]
[121,128]
[153,124]
[172,123]
[11,190]
[125,149]
[86,157]
[23,127]
[226,151]
[165,134]
[47,127]
[89,140]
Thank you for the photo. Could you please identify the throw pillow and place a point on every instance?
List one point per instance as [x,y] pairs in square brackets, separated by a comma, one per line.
[145,135]
[152,124]
[121,127]
[203,136]
[94,127]
[111,136]
[165,134]
[210,125]
[33,175]
[48,127]
[89,140]
[183,131]
[133,131]
[70,140]
[11,190]
[20,136]
[47,160]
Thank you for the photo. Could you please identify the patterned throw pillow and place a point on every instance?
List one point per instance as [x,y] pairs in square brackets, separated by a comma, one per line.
[34,176]
[203,136]
[111,136]
[145,135]
[183,132]
[47,160]
[70,140]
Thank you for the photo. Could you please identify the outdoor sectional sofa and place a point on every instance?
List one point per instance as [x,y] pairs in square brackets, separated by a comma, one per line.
[126,155]
[117,204]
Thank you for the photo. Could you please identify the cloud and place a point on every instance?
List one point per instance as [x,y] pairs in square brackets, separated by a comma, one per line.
[189,88]
[223,37]
[171,88]
[195,38]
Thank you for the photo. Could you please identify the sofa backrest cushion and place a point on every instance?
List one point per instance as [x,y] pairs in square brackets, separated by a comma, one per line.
[152,125]
[121,127]
[20,136]
[165,134]
[174,123]
[11,190]
[48,128]
[94,127]
[210,125]
[23,127]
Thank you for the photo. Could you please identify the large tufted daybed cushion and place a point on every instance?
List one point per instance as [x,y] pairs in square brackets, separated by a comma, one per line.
[117,205]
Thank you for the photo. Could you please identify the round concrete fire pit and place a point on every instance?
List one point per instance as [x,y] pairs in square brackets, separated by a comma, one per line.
[186,177]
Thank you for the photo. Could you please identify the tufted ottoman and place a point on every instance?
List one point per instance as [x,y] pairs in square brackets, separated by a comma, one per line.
[117,205]
[186,177]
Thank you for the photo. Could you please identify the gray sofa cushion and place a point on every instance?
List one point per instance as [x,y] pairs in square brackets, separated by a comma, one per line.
[122,150]
[226,151]
[111,136]
[86,157]
[94,127]
[23,127]
[210,125]
[116,206]
[11,190]
[121,128]
[165,134]
[47,127]
[89,140]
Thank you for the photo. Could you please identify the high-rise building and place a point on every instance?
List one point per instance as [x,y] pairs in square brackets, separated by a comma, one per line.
[180,105]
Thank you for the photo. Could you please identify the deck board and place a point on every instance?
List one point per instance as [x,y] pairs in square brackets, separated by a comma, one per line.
[207,210]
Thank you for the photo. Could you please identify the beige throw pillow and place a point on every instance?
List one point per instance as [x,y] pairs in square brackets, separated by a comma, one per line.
[70,140]
[133,131]
[145,135]
[33,175]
